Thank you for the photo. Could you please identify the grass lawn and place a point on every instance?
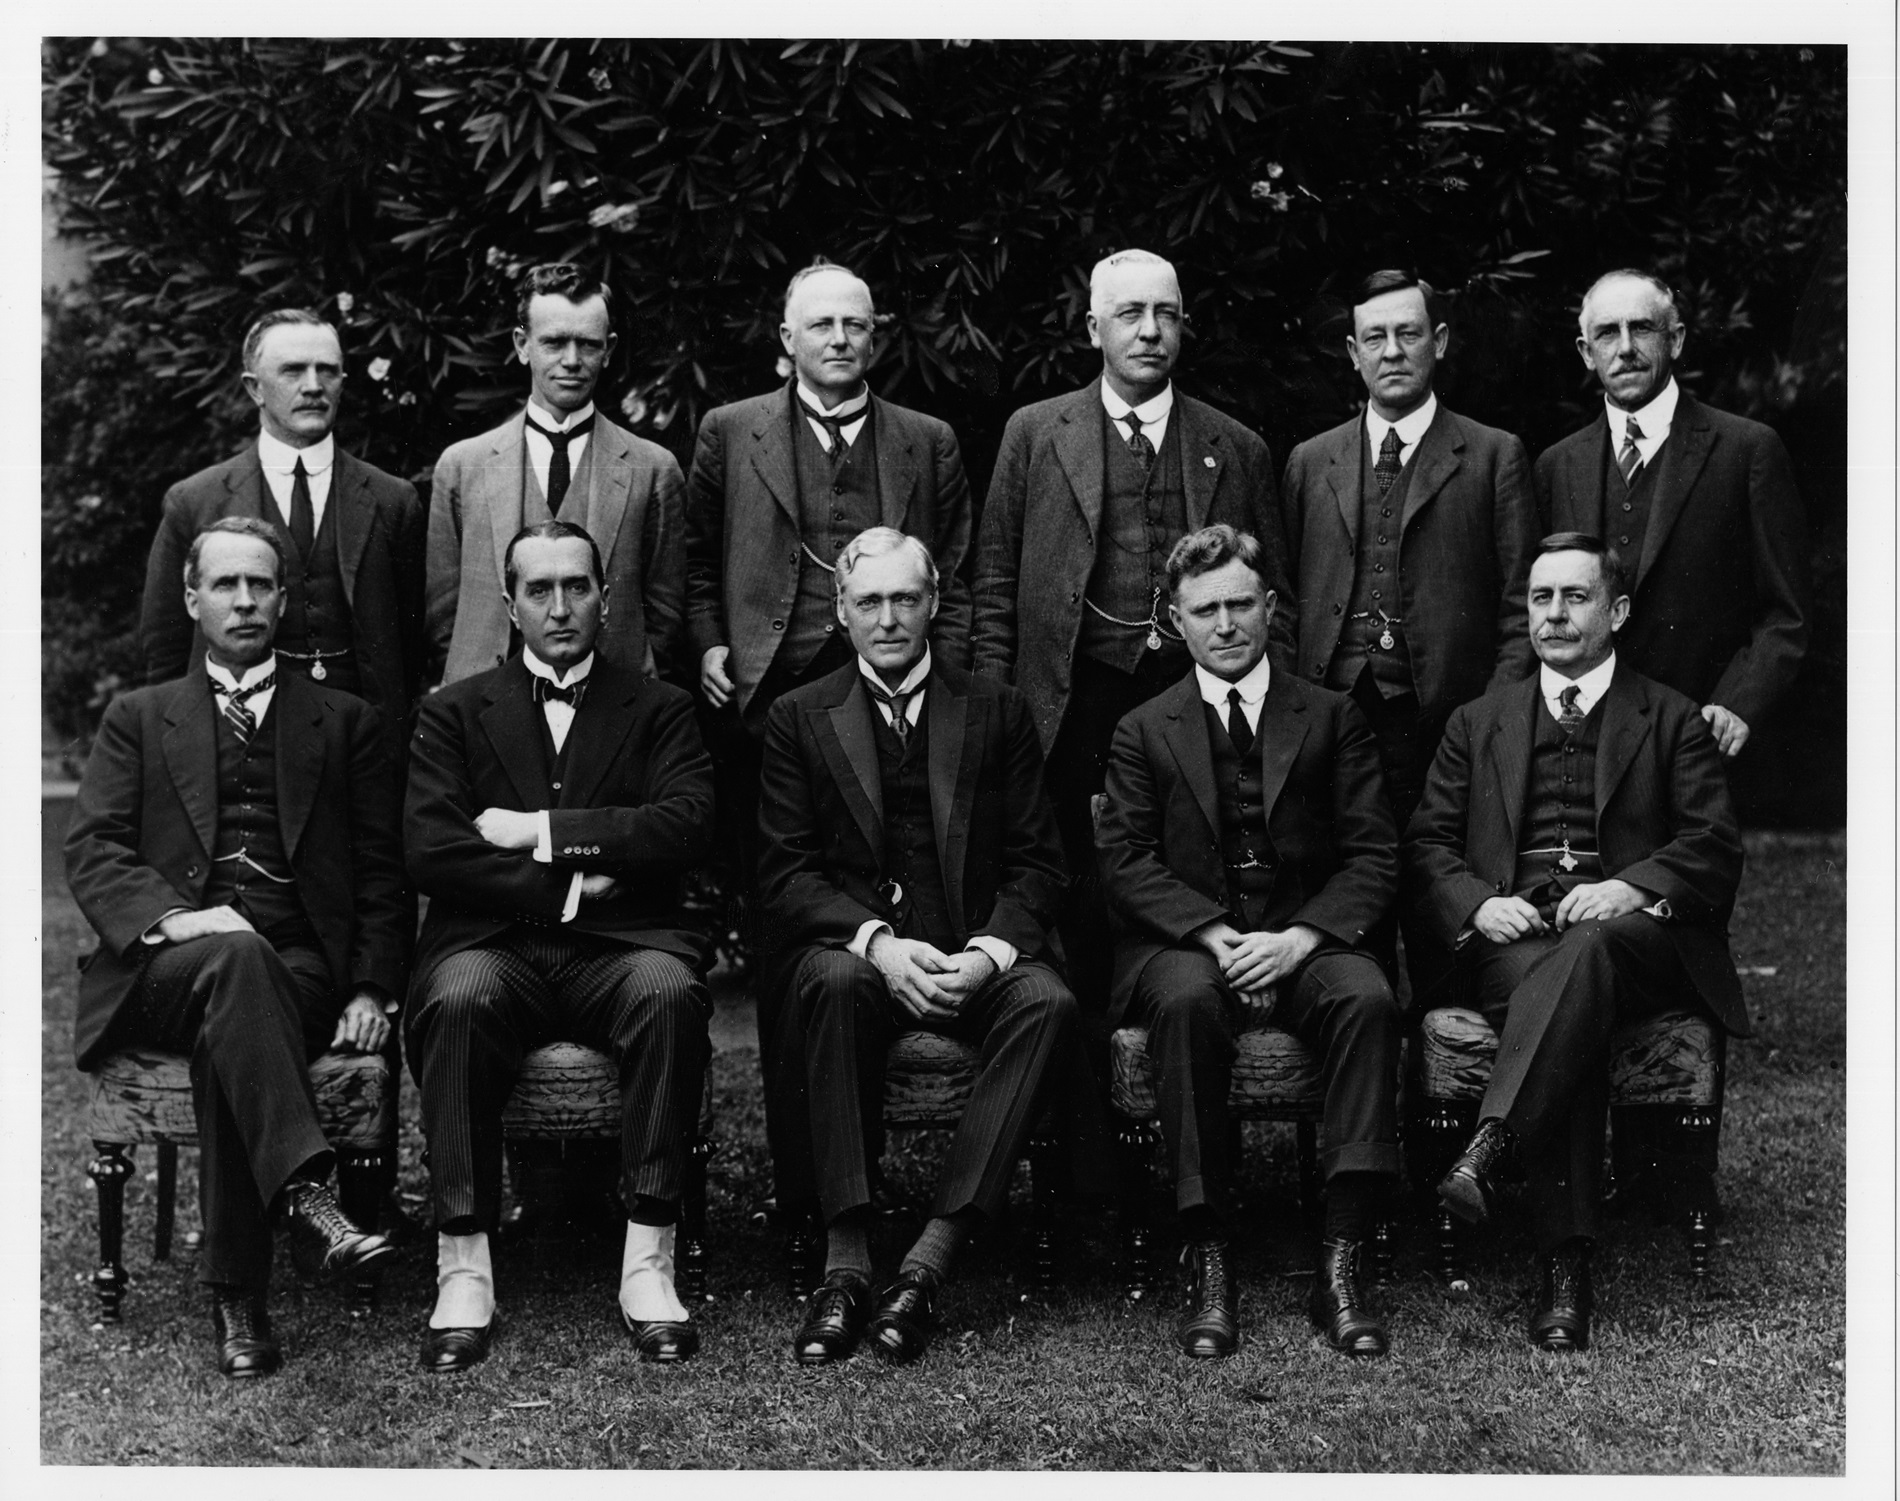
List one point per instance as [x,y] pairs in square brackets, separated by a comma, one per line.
[1744,1377]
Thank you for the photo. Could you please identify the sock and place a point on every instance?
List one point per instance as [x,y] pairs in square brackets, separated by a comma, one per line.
[646,1275]
[1352,1205]
[848,1245]
[1200,1223]
[464,1282]
[936,1249]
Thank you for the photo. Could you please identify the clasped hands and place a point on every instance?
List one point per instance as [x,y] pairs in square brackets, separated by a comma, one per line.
[1250,962]
[511,829]
[1505,919]
[925,981]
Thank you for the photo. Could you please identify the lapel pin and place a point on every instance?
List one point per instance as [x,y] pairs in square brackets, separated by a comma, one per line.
[1209,461]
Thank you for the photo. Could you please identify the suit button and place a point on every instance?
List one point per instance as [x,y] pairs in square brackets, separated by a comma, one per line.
[1379,567]
[1382,540]
[778,625]
[1074,595]
[1319,672]
[191,872]
[1337,609]
[829,629]
[1624,539]
[557,786]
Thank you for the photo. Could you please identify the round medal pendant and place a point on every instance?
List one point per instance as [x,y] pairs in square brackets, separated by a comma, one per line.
[1154,641]
[317,672]
[1385,640]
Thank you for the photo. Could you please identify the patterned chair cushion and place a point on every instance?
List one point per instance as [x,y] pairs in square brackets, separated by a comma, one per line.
[566,1090]
[1275,1077]
[928,1079]
[1670,1059]
[142,1095]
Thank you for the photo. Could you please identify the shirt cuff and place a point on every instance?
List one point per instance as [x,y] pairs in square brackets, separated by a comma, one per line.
[573,903]
[151,934]
[1002,951]
[544,841]
[861,945]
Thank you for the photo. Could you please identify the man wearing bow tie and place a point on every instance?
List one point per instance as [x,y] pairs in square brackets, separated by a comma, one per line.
[554,805]
[908,877]
[560,457]
[234,846]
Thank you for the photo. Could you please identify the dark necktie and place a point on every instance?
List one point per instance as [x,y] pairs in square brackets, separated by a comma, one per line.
[559,473]
[1138,443]
[303,517]
[1570,716]
[1629,458]
[899,705]
[1386,471]
[835,425]
[546,688]
[236,703]
[1238,729]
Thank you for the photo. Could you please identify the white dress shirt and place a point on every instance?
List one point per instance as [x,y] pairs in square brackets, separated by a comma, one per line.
[541,451]
[1003,953]
[1410,428]
[1655,419]
[1590,687]
[1153,413]
[279,460]
[560,719]
[1253,691]
[860,404]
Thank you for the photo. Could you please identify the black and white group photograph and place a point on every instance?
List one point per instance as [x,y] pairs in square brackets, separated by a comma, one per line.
[1067,753]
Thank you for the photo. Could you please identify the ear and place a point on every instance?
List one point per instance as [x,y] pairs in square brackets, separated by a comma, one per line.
[1352,349]
[1583,352]
[1095,332]
[191,602]
[249,378]
[509,601]
[1441,340]
[785,337]
[1619,612]
[521,345]
[606,603]
[1174,615]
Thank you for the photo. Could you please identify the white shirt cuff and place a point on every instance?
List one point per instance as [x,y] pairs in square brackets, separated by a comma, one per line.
[152,935]
[1002,952]
[861,945]
[544,841]
[573,903]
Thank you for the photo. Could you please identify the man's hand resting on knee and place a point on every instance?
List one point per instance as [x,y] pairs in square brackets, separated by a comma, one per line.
[1599,901]
[182,927]
[911,969]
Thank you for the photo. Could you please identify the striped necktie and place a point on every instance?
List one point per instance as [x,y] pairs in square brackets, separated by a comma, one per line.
[235,706]
[1629,458]
[1386,471]
[1571,715]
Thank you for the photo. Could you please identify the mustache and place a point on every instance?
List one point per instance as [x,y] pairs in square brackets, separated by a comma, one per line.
[1556,633]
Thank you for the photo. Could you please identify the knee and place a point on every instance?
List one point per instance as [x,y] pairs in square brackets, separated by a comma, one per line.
[828,976]
[1191,1002]
[1372,1008]
[241,950]
[664,985]
[462,991]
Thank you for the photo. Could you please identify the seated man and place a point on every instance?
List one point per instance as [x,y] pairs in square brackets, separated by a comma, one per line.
[1576,842]
[554,804]
[1247,850]
[909,870]
[234,846]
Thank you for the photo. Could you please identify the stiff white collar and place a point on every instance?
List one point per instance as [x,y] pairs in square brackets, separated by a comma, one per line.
[1253,686]
[844,411]
[1410,428]
[1590,687]
[920,670]
[280,458]
[1152,410]
[1655,417]
[256,675]
[555,424]
[541,669]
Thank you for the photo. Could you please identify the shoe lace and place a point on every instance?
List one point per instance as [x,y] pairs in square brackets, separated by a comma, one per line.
[320,1211]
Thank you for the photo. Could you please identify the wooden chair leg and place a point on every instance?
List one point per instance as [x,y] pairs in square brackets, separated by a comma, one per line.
[804,1251]
[1136,1143]
[108,1171]
[1443,1128]
[691,1253]
[162,1222]
[1045,1168]
[1379,1262]
[359,1184]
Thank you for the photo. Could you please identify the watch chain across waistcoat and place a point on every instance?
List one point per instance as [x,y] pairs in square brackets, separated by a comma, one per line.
[316,614]
[1375,588]
[249,822]
[1559,809]
[910,838]
[1143,516]
[834,505]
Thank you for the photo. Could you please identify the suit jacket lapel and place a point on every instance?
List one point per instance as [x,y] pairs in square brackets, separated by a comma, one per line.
[1509,752]
[513,724]
[1203,459]
[245,481]
[1683,456]
[609,482]
[897,466]
[1439,457]
[191,751]
[772,458]
[1345,477]
[1281,731]
[1583,476]
[1078,444]
[951,762]
[501,481]
[355,513]
[1186,735]
[600,727]
[850,752]
[299,732]
[1625,726]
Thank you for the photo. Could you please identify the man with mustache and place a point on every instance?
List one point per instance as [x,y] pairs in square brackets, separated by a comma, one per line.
[1700,504]
[352,535]
[1577,847]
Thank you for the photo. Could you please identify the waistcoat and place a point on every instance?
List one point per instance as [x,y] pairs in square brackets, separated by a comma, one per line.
[1143,516]
[1560,804]
[834,505]
[1375,587]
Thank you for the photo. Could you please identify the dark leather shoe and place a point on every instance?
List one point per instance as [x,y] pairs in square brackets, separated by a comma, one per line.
[1469,1190]
[906,1315]
[1210,1329]
[246,1346]
[1336,1305]
[834,1318]
[1562,1320]
[662,1341]
[456,1349]
[337,1246]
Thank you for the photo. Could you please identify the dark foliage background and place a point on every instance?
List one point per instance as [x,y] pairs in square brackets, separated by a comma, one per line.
[399,185]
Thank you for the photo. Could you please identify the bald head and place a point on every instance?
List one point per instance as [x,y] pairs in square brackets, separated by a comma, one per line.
[827,331]
[1135,320]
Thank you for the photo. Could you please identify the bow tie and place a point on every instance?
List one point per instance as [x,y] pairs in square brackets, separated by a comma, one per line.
[545,689]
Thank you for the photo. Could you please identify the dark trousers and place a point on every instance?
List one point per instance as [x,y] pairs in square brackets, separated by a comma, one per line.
[1408,743]
[250,1017]
[1077,764]
[1338,1004]
[484,1009]
[1554,1000]
[824,1078]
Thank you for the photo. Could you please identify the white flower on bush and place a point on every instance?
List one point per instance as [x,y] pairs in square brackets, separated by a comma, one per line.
[495,256]
[599,78]
[344,302]
[619,217]
[633,407]
[154,78]
[378,368]
[555,189]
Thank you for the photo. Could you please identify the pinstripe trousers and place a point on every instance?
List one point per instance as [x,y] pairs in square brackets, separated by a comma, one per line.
[824,1079]
[482,1010]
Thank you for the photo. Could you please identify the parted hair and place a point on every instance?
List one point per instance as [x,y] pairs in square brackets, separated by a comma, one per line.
[1210,548]
[560,279]
[1638,274]
[1381,282]
[243,526]
[550,531]
[875,542]
[1607,556]
[818,266]
[277,318]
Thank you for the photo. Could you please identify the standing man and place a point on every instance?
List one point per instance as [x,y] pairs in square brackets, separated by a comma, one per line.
[1702,507]
[234,846]
[780,483]
[908,877]
[1411,529]
[1248,851]
[559,457]
[351,612]
[1091,492]
[554,804]
[1577,846]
